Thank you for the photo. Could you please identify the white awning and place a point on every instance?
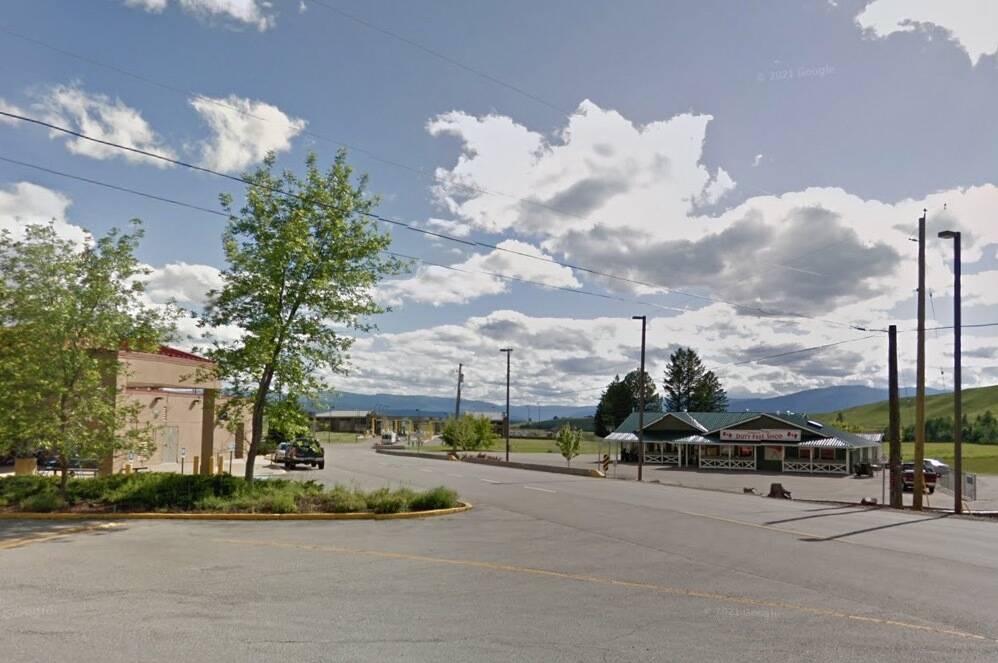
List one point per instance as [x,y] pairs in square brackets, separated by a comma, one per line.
[824,443]
[621,437]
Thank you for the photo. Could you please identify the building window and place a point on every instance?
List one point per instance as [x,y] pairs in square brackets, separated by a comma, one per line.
[746,452]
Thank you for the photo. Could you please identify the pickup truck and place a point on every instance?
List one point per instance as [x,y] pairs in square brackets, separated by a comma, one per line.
[908,478]
[303,451]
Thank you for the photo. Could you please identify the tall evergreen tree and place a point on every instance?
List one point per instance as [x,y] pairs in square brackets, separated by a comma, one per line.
[653,401]
[614,406]
[691,387]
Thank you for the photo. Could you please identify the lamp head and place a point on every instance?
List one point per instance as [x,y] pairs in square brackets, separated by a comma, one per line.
[505,349]
[949,234]
[638,317]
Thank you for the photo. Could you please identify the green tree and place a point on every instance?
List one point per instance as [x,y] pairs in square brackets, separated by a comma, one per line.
[690,386]
[302,266]
[614,405]
[569,441]
[66,311]
[653,402]
[468,433]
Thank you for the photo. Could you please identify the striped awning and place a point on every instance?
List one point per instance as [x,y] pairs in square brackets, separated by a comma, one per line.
[824,443]
[621,437]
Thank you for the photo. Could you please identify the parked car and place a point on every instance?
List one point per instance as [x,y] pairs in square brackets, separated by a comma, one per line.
[908,477]
[302,451]
[388,437]
[936,466]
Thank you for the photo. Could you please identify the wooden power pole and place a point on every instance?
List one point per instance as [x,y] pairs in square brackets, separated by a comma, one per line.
[918,485]
[460,379]
[894,418]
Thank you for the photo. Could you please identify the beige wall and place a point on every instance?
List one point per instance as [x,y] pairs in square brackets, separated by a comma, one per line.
[141,369]
[176,416]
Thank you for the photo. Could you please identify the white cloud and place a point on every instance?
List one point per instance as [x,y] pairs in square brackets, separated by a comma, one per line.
[152,6]
[25,203]
[756,160]
[9,108]
[439,285]
[184,283]
[972,24]
[244,131]
[101,117]
[252,13]
[627,202]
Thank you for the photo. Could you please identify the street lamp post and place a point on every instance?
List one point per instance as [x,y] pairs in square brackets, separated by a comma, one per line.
[641,399]
[509,352]
[957,376]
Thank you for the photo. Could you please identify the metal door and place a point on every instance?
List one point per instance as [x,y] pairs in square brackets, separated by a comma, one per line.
[168,444]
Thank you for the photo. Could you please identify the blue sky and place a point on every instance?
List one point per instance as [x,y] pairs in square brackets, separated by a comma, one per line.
[765,154]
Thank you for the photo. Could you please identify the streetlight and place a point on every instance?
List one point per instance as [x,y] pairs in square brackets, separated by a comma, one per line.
[509,352]
[957,378]
[641,399]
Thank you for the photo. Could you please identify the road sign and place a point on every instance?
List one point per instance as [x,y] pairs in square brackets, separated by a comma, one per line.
[183,452]
[232,446]
[131,455]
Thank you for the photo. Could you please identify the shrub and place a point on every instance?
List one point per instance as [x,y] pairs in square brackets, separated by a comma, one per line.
[435,498]
[13,490]
[339,499]
[385,500]
[42,502]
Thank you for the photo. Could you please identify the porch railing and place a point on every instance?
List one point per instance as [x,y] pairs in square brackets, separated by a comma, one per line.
[816,466]
[723,463]
[662,458]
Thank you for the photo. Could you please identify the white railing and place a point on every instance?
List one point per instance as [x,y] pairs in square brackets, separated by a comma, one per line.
[816,467]
[727,463]
[662,459]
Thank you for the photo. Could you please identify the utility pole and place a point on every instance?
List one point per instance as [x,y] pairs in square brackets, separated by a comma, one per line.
[918,485]
[460,379]
[641,399]
[957,376]
[894,418]
[509,352]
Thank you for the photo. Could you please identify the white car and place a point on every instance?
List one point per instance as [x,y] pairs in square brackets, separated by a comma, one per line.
[388,437]
[940,467]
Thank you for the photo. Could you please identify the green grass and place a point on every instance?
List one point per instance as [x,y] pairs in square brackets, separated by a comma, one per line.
[873,417]
[526,445]
[330,437]
[222,493]
[977,458]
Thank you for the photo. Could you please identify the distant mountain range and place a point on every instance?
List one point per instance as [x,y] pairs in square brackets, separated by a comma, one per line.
[827,399]
[343,400]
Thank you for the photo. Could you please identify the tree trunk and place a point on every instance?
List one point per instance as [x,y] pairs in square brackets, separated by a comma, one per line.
[255,436]
[63,475]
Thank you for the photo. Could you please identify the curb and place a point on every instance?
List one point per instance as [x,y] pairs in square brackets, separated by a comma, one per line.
[20,515]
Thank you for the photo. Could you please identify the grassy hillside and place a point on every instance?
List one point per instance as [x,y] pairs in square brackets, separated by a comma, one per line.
[873,417]
[585,423]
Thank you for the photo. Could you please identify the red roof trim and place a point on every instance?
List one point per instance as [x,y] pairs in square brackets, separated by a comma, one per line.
[167,351]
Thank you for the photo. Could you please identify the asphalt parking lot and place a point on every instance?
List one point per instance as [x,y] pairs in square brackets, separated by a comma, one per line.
[545,568]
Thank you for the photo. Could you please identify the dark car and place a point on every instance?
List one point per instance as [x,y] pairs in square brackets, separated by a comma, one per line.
[908,478]
[302,451]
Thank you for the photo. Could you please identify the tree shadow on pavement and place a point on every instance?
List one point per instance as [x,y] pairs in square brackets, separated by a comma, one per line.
[817,539]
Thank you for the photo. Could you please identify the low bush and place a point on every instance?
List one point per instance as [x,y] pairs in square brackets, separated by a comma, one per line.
[435,498]
[221,493]
[42,502]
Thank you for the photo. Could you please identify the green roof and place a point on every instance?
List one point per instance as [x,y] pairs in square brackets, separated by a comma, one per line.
[710,422]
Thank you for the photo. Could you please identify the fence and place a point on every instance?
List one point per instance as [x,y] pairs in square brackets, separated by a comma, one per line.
[947,484]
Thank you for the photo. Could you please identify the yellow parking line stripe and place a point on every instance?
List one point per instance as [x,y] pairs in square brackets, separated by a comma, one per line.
[660,589]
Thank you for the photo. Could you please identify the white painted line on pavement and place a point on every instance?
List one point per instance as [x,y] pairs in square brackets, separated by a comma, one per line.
[490,481]
[543,490]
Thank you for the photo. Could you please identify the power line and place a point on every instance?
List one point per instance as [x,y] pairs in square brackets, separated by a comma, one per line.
[441,56]
[429,176]
[802,350]
[760,311]
[198,208]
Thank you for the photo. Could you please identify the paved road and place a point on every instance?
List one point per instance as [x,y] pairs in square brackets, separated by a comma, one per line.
[546,568]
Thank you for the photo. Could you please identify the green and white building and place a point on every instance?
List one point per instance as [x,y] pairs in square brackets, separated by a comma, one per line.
[762,441]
